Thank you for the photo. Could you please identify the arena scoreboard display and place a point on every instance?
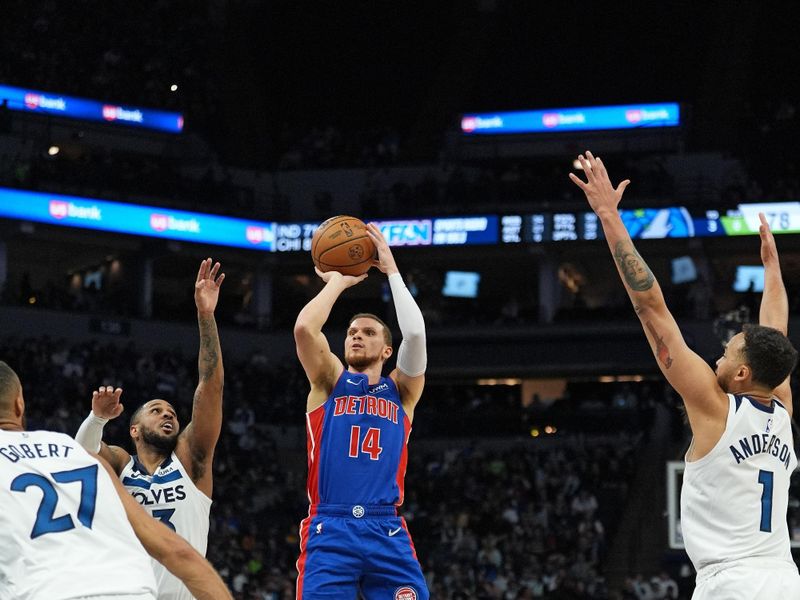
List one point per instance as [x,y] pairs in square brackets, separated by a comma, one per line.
[650,223]
[467,230]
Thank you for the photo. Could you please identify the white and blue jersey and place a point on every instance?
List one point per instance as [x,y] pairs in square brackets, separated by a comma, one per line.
[734,504]
[170,495]
[353,540]
[63,530]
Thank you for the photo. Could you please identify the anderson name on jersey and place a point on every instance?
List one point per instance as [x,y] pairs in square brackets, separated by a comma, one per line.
[734,499]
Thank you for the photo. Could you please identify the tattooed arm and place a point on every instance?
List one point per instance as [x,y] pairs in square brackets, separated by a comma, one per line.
[197,442]
[688,373]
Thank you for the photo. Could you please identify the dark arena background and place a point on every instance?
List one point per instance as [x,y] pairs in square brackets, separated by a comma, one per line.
[138,138]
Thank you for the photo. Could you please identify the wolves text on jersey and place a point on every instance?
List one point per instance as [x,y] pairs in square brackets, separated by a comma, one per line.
[159,495]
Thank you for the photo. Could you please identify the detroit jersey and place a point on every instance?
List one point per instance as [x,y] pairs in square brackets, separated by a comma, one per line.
[63,530]
[171,496]
[734,500]
[357,440]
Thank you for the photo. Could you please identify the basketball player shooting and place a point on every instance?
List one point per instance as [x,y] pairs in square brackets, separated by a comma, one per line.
[171,473]
[358,424]
[64,513]
[735,490]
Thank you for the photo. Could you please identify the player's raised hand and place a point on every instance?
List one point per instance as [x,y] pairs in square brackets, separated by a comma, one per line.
[105,402]
[769,252]
[347,280]
[599,192]
[385,259]
[206,288]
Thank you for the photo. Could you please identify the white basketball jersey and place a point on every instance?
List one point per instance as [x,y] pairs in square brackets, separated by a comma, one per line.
[63,530]
[170,495]
[734,500]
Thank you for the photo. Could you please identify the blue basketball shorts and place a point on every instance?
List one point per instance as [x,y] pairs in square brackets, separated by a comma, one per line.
[348,549]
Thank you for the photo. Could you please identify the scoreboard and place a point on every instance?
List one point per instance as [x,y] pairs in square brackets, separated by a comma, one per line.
[650,223]
[550,227]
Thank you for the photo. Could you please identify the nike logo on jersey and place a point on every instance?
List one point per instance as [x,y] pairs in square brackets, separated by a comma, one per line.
[395,532]
[351,382]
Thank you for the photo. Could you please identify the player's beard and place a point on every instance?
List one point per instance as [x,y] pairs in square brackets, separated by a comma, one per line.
[162,443]
[361,362]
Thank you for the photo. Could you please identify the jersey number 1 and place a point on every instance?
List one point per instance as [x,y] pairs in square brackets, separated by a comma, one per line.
[765,479]
[370,445]
[45,523]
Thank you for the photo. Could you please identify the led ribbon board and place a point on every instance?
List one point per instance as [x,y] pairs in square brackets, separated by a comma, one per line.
[134,219]
[593,118]
[35,101]
[468,230]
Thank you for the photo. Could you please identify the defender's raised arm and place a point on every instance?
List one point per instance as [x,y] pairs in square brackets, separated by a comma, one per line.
[687,372]
[774,310]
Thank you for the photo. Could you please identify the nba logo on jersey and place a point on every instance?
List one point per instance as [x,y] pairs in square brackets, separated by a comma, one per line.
[405,593]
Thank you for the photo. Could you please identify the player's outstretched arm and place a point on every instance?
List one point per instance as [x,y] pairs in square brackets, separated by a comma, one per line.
[171,550]
[200,437]
[412,357]
[322,367]
[687,372]
[106,405]
[774,301]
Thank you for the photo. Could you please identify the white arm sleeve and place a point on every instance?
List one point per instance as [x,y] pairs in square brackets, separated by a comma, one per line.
[90,433]
[412,356]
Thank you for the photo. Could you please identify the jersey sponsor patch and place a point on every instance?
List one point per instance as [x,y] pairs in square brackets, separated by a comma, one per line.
[405,593]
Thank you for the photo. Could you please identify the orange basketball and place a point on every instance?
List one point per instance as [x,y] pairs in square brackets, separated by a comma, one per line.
[342,244]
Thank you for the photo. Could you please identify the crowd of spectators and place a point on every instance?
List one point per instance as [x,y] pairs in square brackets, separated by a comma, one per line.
[491,519]
[132,177]
[134,56]
[660,586]
[331,147]
[125,53]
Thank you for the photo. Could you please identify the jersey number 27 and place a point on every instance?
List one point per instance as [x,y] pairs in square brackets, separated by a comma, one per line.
[45,521]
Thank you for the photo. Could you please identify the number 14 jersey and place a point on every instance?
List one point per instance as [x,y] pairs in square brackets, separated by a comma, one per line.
[357,444]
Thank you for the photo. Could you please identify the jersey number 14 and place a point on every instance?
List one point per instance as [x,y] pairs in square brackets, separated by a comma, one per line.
[371,444]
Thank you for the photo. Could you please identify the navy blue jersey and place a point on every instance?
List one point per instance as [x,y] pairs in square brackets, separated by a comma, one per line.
[357,440]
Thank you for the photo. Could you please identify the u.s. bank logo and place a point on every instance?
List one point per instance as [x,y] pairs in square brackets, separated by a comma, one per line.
[405,593]
[59,209]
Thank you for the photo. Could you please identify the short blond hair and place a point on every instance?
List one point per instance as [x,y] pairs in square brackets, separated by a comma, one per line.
[387,334]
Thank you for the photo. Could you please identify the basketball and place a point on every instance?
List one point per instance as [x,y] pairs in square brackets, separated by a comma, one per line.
[342,244]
